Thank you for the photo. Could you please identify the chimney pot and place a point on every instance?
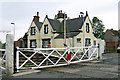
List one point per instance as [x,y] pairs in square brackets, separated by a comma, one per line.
[61,11]
[37,13]
[81,13]
[58,11]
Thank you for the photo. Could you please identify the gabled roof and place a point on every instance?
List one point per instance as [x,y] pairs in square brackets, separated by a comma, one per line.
[55,24]
[38,24]
[74,24]
[114,32]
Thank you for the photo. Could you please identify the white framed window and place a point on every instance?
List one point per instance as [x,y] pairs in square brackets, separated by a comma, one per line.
[45,29]
[32,43]
[87,42]
[78,40]
[45,43]
[32,30]
[87,27]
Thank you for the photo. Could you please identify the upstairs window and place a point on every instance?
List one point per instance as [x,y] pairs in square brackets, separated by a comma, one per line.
[87,27]
[45,29]
[32,30]
[32,43]
[87,42]
[78,40]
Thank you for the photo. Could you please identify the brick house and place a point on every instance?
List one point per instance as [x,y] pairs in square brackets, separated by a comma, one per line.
[112,39]
[18,43]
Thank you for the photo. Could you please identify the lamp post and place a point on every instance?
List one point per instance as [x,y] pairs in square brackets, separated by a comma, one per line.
[14,30]
[83,29]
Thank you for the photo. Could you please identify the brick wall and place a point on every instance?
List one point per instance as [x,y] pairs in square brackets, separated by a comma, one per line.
[111,47]
[18,43]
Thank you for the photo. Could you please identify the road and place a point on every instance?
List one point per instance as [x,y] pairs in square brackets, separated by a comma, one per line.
[108,67]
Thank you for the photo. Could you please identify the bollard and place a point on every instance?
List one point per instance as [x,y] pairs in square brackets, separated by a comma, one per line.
[9,55]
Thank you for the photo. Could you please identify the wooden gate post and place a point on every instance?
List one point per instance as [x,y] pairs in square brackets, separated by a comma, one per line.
[9,54]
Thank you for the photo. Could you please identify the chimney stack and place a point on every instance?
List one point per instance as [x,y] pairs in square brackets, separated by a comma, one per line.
[86,13]
[36,18]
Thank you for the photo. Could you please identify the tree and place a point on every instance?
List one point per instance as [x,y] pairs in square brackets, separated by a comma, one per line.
[0,44]
[3,45]
[98,28]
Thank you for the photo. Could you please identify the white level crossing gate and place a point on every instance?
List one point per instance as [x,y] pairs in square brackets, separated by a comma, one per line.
[2,59]
[51,57]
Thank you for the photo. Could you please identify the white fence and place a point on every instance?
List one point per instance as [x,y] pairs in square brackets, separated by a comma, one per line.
[52,57]
[2,59]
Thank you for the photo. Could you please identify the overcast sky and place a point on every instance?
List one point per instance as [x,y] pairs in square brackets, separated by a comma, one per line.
[21,12]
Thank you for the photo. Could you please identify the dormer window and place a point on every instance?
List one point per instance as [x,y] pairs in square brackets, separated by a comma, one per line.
[87,27]
[45,29]
[32,30]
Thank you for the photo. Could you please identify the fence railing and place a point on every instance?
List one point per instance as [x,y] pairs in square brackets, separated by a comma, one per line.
[51,57]
[2,59]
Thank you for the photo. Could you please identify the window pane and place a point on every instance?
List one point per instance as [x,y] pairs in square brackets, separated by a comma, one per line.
[87,42]
[32,30]
[94,43]
[33,43]
[78,40]
[87,27]
[46,29]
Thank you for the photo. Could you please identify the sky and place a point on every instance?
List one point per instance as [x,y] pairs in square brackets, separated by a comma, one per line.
[21,12]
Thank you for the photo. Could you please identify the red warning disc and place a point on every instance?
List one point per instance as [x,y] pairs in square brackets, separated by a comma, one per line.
[69,56]
[48,44]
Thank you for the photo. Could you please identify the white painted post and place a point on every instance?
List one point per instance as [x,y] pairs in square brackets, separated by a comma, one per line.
[89,52]
[17,59]
[9,54]
[99,52]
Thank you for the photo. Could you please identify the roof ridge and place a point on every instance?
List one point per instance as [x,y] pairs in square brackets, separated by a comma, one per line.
[74,18]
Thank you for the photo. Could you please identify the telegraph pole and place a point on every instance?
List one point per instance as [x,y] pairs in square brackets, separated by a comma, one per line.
[64,30]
